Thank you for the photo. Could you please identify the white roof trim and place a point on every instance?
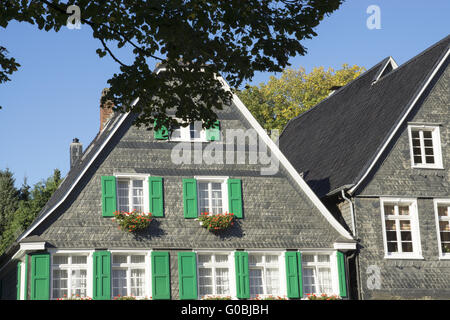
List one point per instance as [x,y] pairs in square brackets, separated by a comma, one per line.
[42,218]
[401,121]
[391,62]
[295,175]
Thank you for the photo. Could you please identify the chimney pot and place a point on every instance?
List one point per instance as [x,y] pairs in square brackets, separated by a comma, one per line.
[106,111]
[76,151]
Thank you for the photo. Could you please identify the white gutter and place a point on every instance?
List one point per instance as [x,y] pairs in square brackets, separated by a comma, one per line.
[352,212]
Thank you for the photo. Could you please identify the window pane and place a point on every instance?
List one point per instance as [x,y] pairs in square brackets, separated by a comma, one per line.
[389,209]
[392,246]
[254,259]
[79,259]
[137,259]
[415,133]
[119,282]
[272,259]
[406,236]
[308,258]
[118,258]
[79,282]
[122,192]
[429,159]
[323,258]
[403,210]
[427,134]
[390,225]
[221,258]
[216,198]
[405,225]
[60,259]
[204,258]
[443,210]
[205,281]
[203,197]
[137,282]
[256,282]
[222,286]
[407,247]
[309,280]
[60,283]
[272,281]
[325,280]
[444,226]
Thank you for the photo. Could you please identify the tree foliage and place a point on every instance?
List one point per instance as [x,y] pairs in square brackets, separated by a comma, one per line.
[194,40]
[281,99]
[29,204]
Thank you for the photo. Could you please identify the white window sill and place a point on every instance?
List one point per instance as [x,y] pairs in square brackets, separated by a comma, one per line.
[444,256]
[404,256]
[438,167]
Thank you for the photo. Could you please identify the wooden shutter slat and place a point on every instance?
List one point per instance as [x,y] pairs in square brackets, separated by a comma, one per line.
[341,272]
[235,197]
[242,275]
[187,272]
[102,275]
[40,276]
[109,201]
[293,274]
[156,196]
[160,275]
[190,198]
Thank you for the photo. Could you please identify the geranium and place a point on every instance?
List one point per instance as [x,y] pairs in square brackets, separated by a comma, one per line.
[74,297]
[216,298]
[216,222]
[268,297]
[132,221]
[323,296]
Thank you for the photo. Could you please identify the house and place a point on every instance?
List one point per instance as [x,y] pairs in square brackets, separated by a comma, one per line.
[284,242]
[377,153]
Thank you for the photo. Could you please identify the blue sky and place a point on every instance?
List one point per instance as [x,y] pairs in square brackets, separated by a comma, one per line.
[54,97]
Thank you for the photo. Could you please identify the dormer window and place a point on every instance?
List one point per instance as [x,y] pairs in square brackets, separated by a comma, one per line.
[192,132]
[425,146]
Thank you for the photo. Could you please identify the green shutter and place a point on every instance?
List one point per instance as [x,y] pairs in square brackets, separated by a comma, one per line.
[341,272]
[108,196]
[213,132]
[235,197]
[156,196]
[190,198]
[40,276]
[160,275]
[102,275]
[242,275]
[160,134]
[293,274]
[187,272]
[19,272]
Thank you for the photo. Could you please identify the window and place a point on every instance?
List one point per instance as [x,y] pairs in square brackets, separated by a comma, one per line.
[212,195]
[129,275]
[316,273]
[264,273]
[69,276]
[425,146]
[192,132]
[214,274]
[442,209]
[130,194]
[400,227]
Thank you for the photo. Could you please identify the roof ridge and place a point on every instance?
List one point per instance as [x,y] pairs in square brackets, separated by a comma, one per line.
[419,55]
[364,74]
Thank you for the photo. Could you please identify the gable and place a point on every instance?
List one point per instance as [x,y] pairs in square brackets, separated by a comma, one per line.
[395,173]
[336,143]
[280,210]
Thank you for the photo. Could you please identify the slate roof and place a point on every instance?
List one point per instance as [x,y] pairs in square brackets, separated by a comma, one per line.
[335,142]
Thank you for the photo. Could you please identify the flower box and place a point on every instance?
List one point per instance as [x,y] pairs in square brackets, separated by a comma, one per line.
[216,222]
[132,221]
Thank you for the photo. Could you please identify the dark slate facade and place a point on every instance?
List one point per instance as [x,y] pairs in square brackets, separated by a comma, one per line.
[419,278]
[277,214]
[364,168]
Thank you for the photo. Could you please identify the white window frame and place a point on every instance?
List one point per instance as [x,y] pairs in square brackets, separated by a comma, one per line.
[281,272]
[211,179]
[128,265]
[185,133]
[231,272]
[332,264]
[89,269]
[436,203]
[437,150]
[414,222]
[145,186]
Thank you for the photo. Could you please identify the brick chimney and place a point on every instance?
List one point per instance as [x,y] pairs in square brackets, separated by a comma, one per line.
[76,151]
[106,111]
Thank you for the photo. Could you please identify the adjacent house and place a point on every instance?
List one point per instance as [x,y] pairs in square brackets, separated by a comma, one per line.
[284,241]
[377,153]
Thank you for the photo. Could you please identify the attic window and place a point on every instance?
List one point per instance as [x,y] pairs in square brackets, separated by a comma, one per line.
[387,67]
[425,146]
